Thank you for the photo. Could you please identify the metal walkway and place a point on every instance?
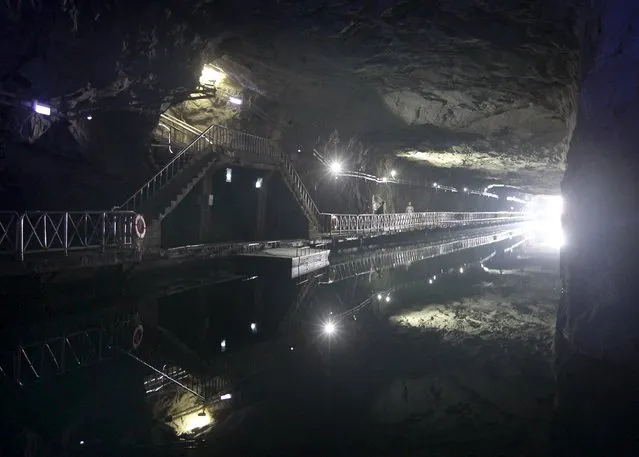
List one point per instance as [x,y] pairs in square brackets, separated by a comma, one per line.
[93,238]
[359,225]
[405,255]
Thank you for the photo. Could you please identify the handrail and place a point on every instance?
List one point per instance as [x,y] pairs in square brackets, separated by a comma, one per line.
[58,231]
[158,180]
[235,141]
[361,224]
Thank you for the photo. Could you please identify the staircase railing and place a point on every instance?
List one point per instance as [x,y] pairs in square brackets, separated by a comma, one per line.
[299,190]
[162,177]
[231,141]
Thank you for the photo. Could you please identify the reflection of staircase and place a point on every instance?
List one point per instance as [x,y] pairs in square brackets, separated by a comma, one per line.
[212,148]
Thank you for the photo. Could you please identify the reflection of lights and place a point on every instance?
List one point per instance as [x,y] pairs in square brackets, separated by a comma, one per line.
[229,175]
[226,397]
[235,100]
[258,183]
[384,179]
[329,328]
[461,269]
[336,167]
[210,76]
[465,189]
[430,281]
[435,185]
[379,296]
[194,421]
[393,173]
[387,298]
[434,277]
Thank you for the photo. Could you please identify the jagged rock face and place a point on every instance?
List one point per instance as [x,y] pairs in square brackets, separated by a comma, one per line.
[481,85]
[81,58]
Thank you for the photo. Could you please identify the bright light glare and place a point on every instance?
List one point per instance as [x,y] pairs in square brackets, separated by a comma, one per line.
[465,189]
[210,76]
[253,327]
[235,100]
[193,421]
[89,117]
[387,298]
[226,397]
[547,210]
[435,184]
[461,269]
[336,167]
[393,173]
[379,296]
[258,183]
[41,109]
[229,174]
[329,328]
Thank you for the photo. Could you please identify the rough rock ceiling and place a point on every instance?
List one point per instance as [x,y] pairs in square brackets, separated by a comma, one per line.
[482,85]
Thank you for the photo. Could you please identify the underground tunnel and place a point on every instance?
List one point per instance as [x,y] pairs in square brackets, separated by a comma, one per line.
[285,227]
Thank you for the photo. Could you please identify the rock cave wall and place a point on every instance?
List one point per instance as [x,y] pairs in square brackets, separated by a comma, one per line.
[484,87]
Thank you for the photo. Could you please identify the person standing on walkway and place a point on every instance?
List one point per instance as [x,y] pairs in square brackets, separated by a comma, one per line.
[409,208]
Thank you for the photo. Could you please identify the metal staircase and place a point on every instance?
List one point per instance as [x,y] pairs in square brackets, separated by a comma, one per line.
[213,147]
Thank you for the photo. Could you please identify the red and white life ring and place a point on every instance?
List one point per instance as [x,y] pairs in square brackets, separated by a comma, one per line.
[139,226]
[138,335]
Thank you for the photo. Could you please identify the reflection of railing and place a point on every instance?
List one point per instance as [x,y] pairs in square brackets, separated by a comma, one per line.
[55,356]
[56,231]
[391,258]
[364,224]
[207,387]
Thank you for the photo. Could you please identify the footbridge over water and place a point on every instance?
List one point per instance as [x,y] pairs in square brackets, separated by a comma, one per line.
[130,232]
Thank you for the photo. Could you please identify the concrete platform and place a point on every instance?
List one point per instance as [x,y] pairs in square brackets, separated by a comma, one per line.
[300,260]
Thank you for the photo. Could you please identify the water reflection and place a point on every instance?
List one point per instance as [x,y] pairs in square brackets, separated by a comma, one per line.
[408,347]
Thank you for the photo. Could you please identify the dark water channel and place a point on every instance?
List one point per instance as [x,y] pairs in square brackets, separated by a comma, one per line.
[441,356]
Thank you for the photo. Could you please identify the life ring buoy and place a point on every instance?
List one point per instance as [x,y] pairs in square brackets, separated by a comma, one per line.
[138,335]
[139,226]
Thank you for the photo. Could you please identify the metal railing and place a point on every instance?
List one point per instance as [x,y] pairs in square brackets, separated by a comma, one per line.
[57,231]
[295,184]
[368,224]
[402,256]
[232,143]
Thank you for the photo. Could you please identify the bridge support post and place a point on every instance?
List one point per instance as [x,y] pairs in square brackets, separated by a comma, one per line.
[596,344]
